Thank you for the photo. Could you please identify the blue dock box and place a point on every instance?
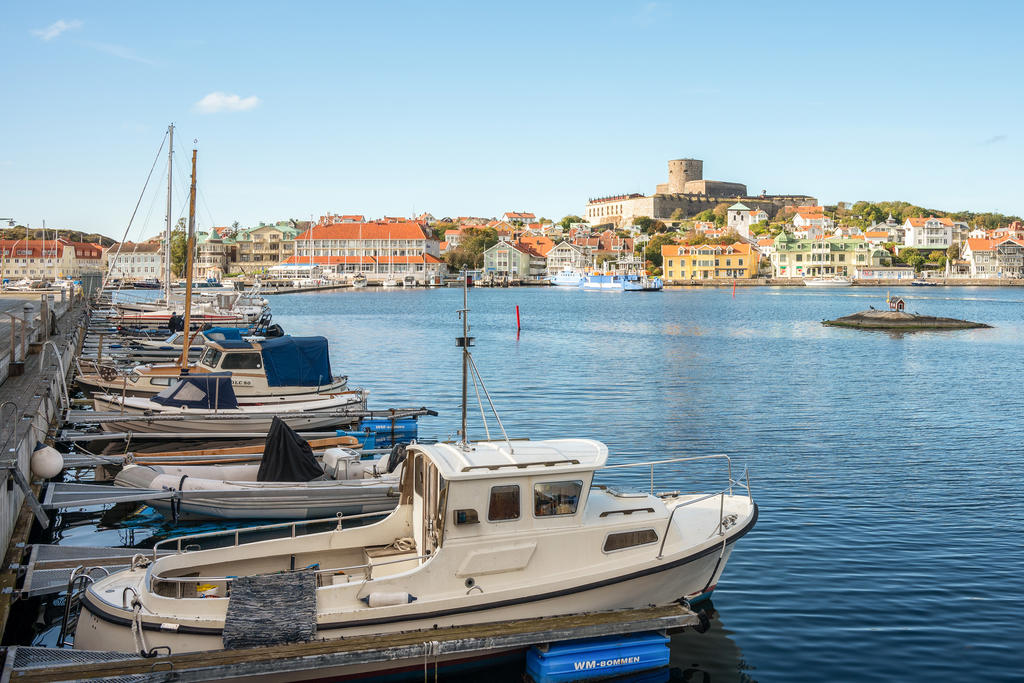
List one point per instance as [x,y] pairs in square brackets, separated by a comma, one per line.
[595,658]
[382,432]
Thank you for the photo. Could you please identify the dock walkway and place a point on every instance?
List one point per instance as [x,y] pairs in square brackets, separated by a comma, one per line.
[336,658]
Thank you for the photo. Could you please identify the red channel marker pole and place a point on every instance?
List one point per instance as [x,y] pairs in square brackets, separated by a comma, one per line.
[518,327]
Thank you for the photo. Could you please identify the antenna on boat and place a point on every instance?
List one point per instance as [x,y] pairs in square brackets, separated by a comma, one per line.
[464,342]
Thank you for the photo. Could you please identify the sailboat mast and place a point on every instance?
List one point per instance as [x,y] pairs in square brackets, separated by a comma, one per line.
[167,232]
[188,266]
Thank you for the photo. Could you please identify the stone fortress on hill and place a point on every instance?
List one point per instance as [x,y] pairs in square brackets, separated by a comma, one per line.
[688,191]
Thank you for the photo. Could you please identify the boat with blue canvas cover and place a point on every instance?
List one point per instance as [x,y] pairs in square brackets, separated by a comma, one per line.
[207,403]
[279,369]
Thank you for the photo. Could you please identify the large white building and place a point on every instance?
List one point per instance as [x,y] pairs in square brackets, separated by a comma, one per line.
[740,217]
[131,261]
[928,233]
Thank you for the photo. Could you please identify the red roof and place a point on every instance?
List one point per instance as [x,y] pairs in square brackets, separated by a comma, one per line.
[34,248]
[408,230]
[919,222]
[519,215]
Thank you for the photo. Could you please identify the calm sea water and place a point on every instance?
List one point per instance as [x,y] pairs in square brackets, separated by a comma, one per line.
[889,545]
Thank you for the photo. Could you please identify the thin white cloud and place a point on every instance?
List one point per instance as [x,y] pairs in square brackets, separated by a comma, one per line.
[994,139]
[121,52]
[56,28]
[217,102]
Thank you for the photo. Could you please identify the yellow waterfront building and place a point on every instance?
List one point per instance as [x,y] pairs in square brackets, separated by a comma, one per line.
[708,261]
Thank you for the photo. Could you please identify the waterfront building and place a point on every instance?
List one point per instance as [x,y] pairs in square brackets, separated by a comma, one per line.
[766,246]
[135,261]
[686,192]
[708,261]
[255,250]
[566,255]
[741,217]
[928,233]
[213,250]
[995,258]
[375,249]
[39,259]
[516,260]
[800,257]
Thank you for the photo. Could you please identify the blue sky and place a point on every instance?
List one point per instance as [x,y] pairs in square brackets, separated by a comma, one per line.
[478,108]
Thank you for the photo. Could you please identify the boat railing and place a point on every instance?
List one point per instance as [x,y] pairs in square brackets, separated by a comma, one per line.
[721,494]
[366,569]
[652,464]
[291,526]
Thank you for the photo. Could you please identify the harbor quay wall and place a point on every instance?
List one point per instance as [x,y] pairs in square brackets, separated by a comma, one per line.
[31,391]
[798,282]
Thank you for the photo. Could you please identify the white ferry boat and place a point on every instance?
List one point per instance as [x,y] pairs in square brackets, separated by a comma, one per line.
[836,281]
[567,277]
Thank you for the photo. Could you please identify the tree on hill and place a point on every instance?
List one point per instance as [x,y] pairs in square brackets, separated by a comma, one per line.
[470,252]
[706,215]
[567,221]
[721,213]
[648,225]
[760,228]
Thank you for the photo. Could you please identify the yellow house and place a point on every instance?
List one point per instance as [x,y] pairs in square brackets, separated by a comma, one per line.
[708,261]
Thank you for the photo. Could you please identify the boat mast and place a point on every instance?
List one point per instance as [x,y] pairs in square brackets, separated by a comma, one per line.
[465,341]
[167,232]
[190,245]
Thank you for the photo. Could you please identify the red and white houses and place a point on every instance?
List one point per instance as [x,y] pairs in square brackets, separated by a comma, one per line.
[995,258]
[48,259]
[377,250]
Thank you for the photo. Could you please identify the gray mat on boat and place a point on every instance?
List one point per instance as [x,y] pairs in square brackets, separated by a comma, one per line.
[271,609]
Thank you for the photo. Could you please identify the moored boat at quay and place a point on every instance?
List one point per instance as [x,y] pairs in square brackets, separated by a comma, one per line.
[281,368]
[836,281]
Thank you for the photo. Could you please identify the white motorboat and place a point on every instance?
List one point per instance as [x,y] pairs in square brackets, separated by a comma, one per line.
[409,281]
[836,281]
[282,368]
[567,277]
[288,483]
[207,403]
[484,532]
[359,281]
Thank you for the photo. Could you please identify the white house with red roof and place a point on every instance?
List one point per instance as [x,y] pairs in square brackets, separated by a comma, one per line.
[524,217]
[928,233]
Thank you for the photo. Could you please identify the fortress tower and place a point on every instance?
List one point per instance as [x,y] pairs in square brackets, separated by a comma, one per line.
[682,171]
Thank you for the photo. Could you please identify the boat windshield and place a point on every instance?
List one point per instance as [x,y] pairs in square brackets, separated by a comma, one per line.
[211,357]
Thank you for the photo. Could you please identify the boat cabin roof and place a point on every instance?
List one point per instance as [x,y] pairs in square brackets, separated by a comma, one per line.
[488,459]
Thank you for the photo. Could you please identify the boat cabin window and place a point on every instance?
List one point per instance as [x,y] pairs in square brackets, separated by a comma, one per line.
[504,503]
[628,539]
[211,357]
[466,516]
[242,361]
[556,498]
[417,479]
[160,381]
[177,339]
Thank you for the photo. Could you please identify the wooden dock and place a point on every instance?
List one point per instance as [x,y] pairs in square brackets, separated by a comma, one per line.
[338,659]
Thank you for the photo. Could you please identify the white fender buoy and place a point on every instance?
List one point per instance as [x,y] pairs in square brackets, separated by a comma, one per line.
[46,462]
[384,599]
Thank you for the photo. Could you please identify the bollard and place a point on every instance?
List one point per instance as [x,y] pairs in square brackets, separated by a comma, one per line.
[26,321]
[51,316]
[43,317]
